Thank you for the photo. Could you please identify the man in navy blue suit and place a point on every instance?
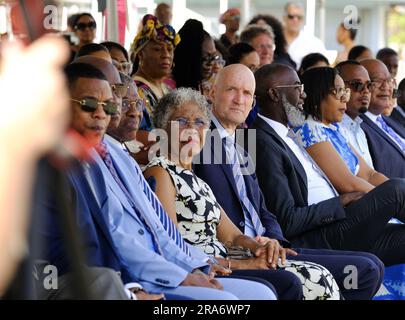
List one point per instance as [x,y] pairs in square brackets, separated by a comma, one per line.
[230,108]
[386,139]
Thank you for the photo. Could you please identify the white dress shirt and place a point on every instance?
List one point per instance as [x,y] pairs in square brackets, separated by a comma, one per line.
[318,188]
[374,118]
[355,135]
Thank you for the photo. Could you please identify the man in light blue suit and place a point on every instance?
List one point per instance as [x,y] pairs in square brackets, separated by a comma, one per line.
[144,249]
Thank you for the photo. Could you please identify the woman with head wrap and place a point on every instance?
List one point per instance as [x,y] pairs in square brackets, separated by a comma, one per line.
[152,55]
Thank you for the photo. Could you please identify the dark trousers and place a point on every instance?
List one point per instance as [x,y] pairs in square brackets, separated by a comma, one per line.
[358,274]
[287,285]
[366,225]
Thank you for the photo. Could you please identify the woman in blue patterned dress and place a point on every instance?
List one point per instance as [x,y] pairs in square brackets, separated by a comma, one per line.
[320,134]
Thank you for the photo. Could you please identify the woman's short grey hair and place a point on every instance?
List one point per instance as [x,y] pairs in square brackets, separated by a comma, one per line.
[174,100]
[254,30]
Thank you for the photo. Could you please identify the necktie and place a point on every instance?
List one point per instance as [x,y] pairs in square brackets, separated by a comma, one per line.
[315,166]
[397,138]
[248,208]
[167,223]
[110,165]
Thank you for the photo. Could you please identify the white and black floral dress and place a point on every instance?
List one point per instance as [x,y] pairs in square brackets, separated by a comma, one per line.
[198,215]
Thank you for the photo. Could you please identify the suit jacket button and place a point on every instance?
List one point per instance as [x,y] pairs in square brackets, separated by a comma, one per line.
[242,224]
[141,232]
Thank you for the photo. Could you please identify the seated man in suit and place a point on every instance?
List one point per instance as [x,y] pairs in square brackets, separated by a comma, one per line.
[221,178]
[123,215]
[386,139]
[398,114]
[308,208]
[356,78]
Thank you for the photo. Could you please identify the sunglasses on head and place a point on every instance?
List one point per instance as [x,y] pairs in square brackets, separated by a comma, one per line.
[82,26]
[359,86]
[120,89]
[293,16]
[91,104]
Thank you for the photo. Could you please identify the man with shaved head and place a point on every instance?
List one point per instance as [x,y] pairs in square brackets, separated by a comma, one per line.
[232,99]
[309,210]
[386,139]
[357,79]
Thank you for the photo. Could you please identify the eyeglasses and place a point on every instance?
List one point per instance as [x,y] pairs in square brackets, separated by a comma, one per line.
[120,89]
[198,123]
[359,86]
[299,87]
[295,16]
[341,93]
[378,82]
[210,59]
[122,66]
[139,105]
[271,47]
[82,26]
[91,104]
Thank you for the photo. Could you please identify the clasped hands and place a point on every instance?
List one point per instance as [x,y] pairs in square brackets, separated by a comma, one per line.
[268,252]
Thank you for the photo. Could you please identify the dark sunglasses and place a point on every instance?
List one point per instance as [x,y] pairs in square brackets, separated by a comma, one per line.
[359,86]
[90,105]
[82,26]
[292,16]
[139,105]
[120,89]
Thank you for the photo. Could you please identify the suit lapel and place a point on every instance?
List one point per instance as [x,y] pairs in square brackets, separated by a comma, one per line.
[395,126]
[381,133]
[261,124]
[93,202]
[225,167]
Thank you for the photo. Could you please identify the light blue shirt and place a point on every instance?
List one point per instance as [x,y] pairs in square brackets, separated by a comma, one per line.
[352,131]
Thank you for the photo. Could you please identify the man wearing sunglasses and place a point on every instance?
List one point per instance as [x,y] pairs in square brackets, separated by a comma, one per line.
[356,78]
[119,89]
[300,43]
[386,139]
